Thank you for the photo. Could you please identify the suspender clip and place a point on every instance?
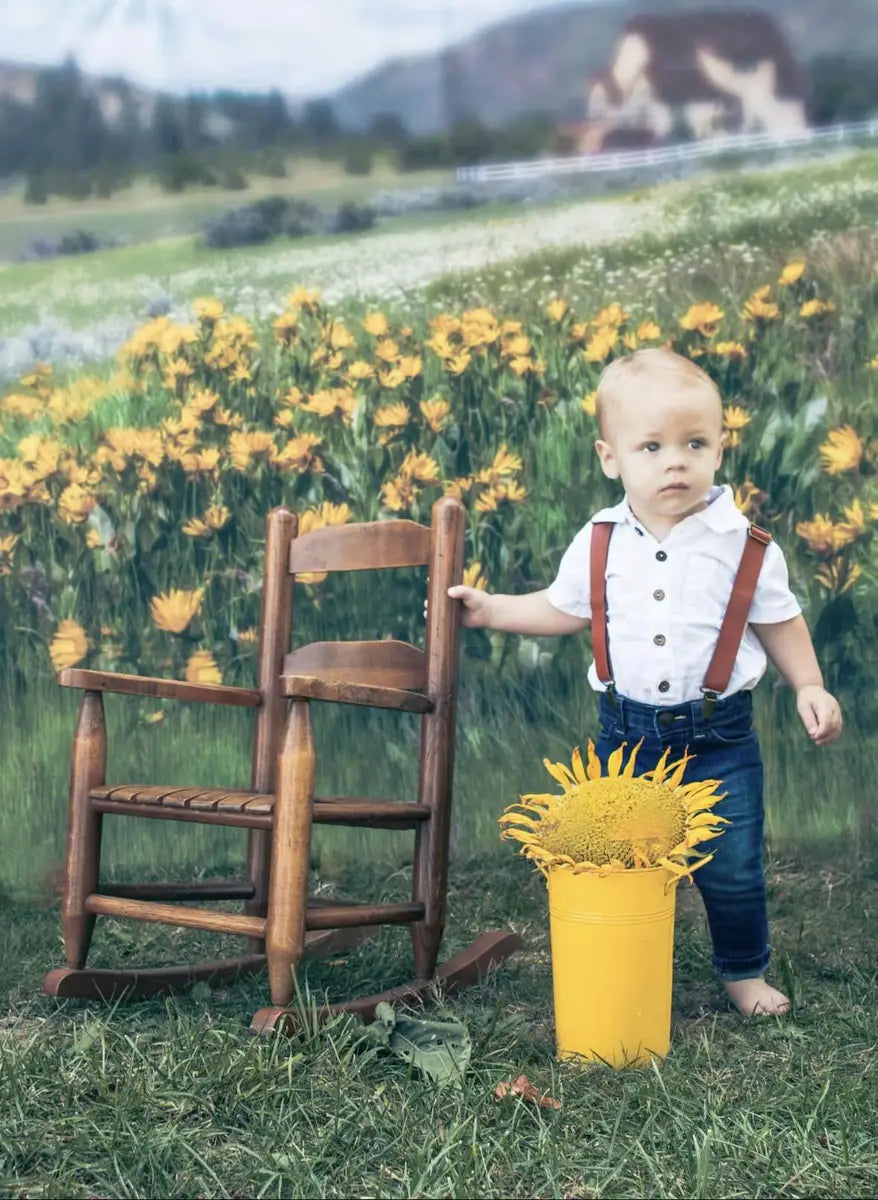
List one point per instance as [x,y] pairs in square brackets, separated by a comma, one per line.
[611,693]
[708,703]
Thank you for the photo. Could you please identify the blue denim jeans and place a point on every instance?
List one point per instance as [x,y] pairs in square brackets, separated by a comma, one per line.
[724,747]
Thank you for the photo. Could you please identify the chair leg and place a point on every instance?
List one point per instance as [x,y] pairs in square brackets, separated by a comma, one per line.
[430,877]
[258,874]
[290,853]
[87,770]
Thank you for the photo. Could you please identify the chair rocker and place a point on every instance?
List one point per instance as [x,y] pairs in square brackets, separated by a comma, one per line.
[282,923]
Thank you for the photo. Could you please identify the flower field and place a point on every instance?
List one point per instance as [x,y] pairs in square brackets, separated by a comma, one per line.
[132,502]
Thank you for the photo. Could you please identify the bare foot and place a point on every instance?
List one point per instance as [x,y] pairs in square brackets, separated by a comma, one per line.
[754,997]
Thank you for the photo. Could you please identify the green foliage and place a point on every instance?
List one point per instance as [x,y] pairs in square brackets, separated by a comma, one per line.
[174,1098]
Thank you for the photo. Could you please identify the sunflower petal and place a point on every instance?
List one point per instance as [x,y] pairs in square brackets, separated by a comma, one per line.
[614,762]
[628,773]
[594,763]
[561,773]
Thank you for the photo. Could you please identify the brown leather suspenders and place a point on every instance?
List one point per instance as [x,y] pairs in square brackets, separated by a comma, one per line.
[719,672]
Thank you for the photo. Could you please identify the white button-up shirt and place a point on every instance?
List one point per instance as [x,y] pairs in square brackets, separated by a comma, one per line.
[666,600]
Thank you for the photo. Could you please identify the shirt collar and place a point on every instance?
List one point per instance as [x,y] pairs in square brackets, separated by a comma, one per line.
[721,515]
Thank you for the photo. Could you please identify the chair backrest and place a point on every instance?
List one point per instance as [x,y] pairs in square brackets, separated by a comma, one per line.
[373,545]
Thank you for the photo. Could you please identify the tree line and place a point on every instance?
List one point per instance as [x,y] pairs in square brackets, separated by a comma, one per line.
[67,143]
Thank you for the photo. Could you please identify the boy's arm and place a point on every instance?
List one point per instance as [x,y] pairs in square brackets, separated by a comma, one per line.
[531,614]
[788,645]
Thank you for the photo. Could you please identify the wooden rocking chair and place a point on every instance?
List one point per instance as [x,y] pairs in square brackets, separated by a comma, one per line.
[280,920]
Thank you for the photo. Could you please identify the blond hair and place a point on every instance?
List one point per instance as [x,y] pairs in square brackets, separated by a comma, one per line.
[623,375]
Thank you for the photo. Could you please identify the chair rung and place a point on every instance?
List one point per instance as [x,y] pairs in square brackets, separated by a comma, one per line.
[338,916]
[205,889]
[386,814]
[174,914]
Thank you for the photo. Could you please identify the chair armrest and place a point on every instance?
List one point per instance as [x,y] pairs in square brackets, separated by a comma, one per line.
[311,687]
[159,689]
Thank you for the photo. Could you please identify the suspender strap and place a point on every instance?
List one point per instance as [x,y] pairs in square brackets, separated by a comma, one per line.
[719,672]
[601,532]
[735,620]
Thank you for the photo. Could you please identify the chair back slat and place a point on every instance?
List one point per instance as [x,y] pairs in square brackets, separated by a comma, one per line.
[381,664]
[367,546]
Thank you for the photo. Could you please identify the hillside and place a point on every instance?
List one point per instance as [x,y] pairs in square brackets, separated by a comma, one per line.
[540,61]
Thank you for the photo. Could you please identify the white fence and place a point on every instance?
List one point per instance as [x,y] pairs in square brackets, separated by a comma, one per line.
[656,156]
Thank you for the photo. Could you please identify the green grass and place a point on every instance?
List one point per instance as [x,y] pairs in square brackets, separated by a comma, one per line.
[144,212]
[813,795]
[174,1098]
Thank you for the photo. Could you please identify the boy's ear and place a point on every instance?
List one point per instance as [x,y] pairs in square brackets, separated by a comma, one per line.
[608,462]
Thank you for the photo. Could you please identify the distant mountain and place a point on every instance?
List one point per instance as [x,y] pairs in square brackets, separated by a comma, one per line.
[541,60]
[19,82]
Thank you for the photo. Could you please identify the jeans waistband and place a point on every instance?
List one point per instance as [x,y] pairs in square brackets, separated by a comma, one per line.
[660,720]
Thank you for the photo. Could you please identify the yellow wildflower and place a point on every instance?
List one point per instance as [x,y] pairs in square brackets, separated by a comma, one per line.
[436,412]
[299,454]
[300,297]
[376,324]
[556,309]
[703,318]
[822,535]
[360,370]
[601,343]
[792,273]
[195,527]
[393,378]
[648,331]
[69,645]
[75,503]
[729,350]
[838,576]
[759,307]
[207,309]
[7,545]
[202,668]
[816,308]
[748,497]
[387,350]
[842,451]
[588,403]
[456,364]
[855,523]
[243,447]
[473,577]
[613,315]
[503,465]
[330,402]
[173,610]
[419,467]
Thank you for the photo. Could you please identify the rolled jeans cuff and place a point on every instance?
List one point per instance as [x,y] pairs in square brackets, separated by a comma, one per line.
[750,969]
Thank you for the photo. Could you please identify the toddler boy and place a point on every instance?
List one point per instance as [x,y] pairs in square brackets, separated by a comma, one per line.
[675,544]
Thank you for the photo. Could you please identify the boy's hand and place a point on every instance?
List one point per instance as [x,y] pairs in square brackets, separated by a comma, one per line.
[820,713]
[476,605]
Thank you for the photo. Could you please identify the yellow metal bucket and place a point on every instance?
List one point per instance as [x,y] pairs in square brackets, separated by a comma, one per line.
[612,963]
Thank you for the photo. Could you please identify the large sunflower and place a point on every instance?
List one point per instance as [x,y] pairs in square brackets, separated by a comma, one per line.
[617,822]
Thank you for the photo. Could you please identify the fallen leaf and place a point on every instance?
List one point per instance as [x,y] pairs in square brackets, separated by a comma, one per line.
[522,1086]
[441,1049]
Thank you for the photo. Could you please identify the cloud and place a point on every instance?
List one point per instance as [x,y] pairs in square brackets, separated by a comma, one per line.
[303,47]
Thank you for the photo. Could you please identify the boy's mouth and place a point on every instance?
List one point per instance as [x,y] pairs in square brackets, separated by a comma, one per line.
[676,487]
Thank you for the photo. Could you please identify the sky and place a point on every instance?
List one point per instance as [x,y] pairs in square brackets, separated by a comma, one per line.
[303,47]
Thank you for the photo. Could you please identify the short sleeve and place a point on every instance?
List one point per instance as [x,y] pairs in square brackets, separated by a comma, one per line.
[570,591]
[773,600]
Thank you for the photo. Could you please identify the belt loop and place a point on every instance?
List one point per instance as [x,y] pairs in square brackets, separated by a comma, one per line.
[708,703]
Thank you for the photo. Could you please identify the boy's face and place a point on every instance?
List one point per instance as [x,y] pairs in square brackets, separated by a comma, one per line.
[665,444]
